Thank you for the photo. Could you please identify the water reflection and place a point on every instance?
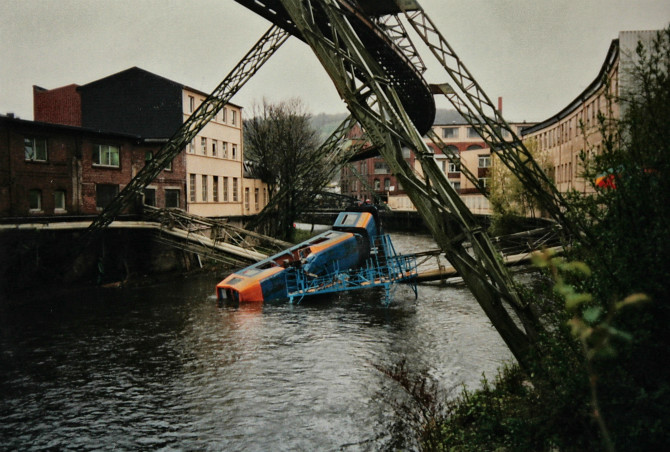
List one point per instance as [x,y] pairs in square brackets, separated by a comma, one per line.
[166,367]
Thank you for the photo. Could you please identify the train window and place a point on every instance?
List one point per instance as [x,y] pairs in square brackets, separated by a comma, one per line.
[349,220]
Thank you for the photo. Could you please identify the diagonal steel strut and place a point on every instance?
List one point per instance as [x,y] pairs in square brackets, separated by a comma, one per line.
[372,99]
[245,69]
[476,108]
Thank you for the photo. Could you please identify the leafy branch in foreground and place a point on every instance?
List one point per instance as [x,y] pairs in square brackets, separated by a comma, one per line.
[591,324]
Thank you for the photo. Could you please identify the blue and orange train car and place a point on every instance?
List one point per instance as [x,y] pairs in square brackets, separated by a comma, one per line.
[346,246]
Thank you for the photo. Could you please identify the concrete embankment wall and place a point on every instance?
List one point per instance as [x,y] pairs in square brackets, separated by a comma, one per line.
[31,259]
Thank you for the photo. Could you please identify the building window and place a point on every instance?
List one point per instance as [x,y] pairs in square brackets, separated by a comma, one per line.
[455,184]
[387,184]
[168,167]
[191,104]
[35,200]
[203,145]
[233,117]
[224,114]
[246,198]
[172,198]
[35,149]
[59,201]
[104,194]
[450,132]
[455,167]
[150,197]
[106,155]
[484,161]
[191,187]
[148,156]
[256,199]
[225,189]
[377,185]
[381,168]
[204,188]
[474,147]
[215,148]
[483,182]
[215,188]
[265,197]
[451,149]
[235,197]
[234,156]
[191,146]
[224,149]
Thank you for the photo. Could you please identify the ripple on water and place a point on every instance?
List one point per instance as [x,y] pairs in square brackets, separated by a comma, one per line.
[166,368]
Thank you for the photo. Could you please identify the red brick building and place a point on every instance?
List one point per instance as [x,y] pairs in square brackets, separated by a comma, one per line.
[51,169]
[58,106]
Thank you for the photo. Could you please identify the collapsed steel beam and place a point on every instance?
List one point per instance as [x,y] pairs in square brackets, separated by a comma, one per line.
[245,69]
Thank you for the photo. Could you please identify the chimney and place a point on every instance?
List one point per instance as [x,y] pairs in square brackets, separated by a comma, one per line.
[500,105]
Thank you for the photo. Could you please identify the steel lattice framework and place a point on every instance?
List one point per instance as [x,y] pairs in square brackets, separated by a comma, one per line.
[366,50]
[246,68]
[336,35]
[470,100]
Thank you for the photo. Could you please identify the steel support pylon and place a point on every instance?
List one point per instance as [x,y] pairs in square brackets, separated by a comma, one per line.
[372,99]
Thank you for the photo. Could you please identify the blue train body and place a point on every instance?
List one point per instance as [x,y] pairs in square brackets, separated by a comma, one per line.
[346,246]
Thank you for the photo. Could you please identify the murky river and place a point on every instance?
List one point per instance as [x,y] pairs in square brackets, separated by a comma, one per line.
[165,368]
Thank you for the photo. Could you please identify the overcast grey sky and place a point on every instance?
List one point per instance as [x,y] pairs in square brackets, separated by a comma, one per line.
[537,54]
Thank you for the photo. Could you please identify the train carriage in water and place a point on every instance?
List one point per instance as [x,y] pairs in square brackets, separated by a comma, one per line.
[347,246]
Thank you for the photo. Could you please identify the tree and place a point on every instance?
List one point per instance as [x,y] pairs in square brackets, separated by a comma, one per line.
[608,312]
[283,149]
[508,196]
[630,218]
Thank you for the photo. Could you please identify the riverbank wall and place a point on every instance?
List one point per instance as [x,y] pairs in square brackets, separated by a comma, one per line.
[32,259]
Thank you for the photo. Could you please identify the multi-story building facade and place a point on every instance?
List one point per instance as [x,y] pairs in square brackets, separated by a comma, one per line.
[474,154]
[138,102]
[575,131]
[53,169]
[372,179]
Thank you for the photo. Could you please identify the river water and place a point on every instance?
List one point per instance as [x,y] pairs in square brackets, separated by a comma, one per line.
[165,368]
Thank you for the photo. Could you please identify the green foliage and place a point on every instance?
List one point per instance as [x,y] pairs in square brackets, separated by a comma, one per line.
[600,373]
[508,197]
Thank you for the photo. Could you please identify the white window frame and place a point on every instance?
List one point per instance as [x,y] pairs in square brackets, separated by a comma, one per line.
[191,187]
[60,205]
[484,161]
[102,150]
[32,143]
[450,132]
[38,193]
